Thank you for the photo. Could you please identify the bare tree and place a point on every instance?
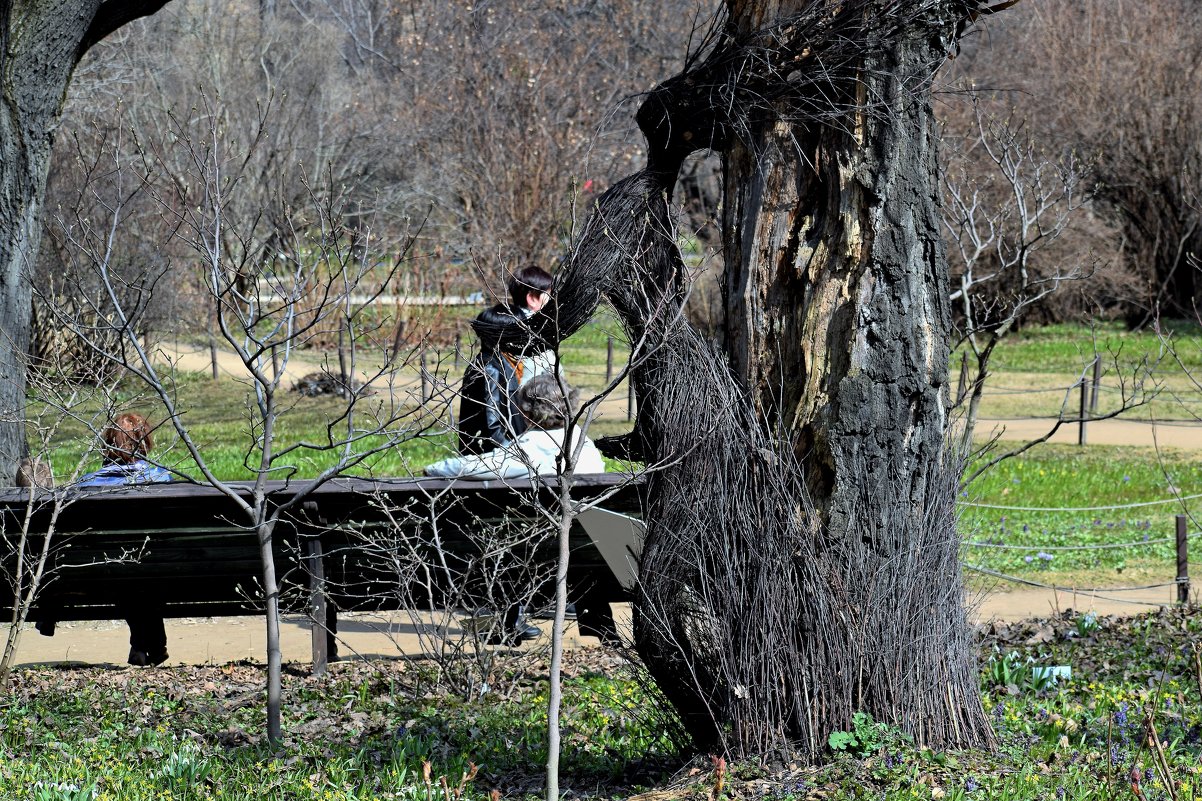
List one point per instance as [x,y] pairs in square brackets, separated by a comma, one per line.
[1118,82]
[261,306]
[998,225]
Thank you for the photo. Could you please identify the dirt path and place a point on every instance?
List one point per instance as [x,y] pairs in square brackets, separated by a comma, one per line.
[200,641]
[1139,433]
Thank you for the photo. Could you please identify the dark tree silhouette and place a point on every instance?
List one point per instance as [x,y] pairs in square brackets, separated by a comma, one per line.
[800,561]
[41,42]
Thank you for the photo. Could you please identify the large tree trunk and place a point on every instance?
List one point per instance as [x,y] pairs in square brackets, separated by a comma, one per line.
[837,325]
[41,41]
[801,562]
[836,287]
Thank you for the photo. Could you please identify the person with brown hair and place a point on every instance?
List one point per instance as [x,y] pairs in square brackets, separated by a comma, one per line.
[34,474]
[127,443]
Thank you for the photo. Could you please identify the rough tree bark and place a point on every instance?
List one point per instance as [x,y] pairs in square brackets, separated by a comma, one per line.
[41,41]
[800,562]
[836,290]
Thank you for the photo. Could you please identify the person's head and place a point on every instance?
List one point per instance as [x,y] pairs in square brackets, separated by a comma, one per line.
[542,402]
[34,473]
[530,288]
[127,439]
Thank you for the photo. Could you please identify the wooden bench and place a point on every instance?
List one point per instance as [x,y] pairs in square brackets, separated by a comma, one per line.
[187,549]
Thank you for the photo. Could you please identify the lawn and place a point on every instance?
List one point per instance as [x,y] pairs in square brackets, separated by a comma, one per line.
[1022,515]
[1020,518]
[383,731]
[220,416]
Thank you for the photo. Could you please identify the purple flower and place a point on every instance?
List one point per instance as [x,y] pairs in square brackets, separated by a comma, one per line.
[1126,479]
[970,784]
[1047,557]
[1120,716]
[1028,559]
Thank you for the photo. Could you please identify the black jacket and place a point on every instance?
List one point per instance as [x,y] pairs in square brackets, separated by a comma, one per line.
[487,415]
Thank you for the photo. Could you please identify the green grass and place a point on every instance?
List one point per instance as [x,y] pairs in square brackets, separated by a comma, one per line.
[1064,484]
[1067,348]
[362,734]
[1070,478]
[367,731]
[222,421]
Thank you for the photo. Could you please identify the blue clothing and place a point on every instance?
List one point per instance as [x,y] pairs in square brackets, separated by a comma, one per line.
[117,474]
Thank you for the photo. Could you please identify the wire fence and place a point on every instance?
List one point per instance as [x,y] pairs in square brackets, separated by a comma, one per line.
[1078,509]
[1100,593]
[436,373]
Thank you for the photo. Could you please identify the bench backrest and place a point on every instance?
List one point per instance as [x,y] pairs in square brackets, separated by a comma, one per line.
[190,549]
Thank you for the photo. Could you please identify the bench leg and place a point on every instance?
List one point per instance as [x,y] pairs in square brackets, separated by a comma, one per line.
[331,630]
[320,610]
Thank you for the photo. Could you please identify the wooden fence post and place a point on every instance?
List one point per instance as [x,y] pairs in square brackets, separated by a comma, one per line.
[213,355]
[1182,560]
[1093,390]
[609,360]
[317,605]
[629,397]
[425,380]
[1084,411]
[962,388]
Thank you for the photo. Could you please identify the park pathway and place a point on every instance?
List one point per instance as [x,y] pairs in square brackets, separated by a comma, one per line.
[200,641]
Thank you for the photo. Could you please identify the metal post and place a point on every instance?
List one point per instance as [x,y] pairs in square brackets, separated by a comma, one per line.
[213,356]
[609,360]
[1093,390]
[1084,411]
[1182,560]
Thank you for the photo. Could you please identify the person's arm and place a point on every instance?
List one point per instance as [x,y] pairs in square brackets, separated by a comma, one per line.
[499,426]
[496,465]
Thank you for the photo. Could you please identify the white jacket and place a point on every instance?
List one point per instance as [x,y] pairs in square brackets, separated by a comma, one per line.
[534,453]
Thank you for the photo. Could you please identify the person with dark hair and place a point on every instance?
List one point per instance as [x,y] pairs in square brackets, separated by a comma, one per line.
[511,353]
[530,287]
[127,443]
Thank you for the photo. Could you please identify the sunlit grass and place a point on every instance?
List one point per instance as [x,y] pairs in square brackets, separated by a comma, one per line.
[223,421]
